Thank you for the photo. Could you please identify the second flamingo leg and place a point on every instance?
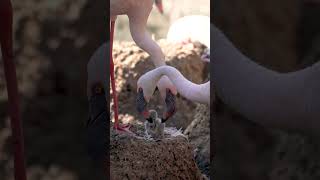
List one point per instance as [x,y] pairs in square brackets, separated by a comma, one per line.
[117,126]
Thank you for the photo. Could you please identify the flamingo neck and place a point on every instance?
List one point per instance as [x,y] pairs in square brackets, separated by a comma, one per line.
[153,49]
[194,92]
[145,42]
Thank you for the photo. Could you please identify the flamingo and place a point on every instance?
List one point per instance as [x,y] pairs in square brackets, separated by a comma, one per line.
[180,32]
[195,92]
[138,13]
[12,88]
[282,100]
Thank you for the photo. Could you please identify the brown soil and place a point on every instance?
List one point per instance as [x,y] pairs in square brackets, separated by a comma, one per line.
[198,133]
[137,158]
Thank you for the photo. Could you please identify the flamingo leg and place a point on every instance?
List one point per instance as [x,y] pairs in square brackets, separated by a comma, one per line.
[12,88]
[117,126]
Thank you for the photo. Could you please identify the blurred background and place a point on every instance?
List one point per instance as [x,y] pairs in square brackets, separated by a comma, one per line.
[158,25]
[53,41]
[283,36]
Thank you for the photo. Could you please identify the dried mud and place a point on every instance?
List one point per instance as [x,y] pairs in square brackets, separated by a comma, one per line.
[138,158]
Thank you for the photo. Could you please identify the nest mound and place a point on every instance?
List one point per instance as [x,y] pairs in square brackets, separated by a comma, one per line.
[131,62]
[138,158]
[141,158]
[198,133]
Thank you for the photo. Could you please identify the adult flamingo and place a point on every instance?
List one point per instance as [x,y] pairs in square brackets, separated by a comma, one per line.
[180,32]
[138,13]
[194,92]
[12,88]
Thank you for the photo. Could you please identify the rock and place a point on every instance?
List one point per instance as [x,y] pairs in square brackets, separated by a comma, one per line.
[134,157]
[198,133]
[131,62]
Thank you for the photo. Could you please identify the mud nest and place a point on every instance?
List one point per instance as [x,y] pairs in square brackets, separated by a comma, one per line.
[198,133]
[134,157]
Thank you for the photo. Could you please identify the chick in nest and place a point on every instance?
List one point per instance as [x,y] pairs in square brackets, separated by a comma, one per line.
[154,126]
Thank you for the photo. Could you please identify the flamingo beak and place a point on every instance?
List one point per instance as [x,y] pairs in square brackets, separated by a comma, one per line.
[146,115]
[141,104]
[159,5]
[170,105]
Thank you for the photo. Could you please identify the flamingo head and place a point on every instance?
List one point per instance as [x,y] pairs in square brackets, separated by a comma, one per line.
[147,85]
[168,92]
[145,88]
[164,84]
[159,5]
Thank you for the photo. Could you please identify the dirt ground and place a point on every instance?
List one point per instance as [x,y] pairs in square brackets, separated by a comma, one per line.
[137,158]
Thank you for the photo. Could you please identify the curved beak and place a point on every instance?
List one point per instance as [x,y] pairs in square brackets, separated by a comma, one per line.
[159,5]
[170,105]
[141,104]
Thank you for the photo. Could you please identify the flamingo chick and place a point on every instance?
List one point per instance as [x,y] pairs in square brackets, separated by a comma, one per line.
[154,125]
[195,92]
[138,13]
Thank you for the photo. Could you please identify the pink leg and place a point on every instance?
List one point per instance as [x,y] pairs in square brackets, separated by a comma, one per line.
[117,126]
[12,88]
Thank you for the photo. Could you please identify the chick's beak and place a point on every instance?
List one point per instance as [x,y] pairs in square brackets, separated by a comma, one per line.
[159,5]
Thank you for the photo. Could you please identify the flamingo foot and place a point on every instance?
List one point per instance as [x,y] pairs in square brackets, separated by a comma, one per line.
[123,128]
